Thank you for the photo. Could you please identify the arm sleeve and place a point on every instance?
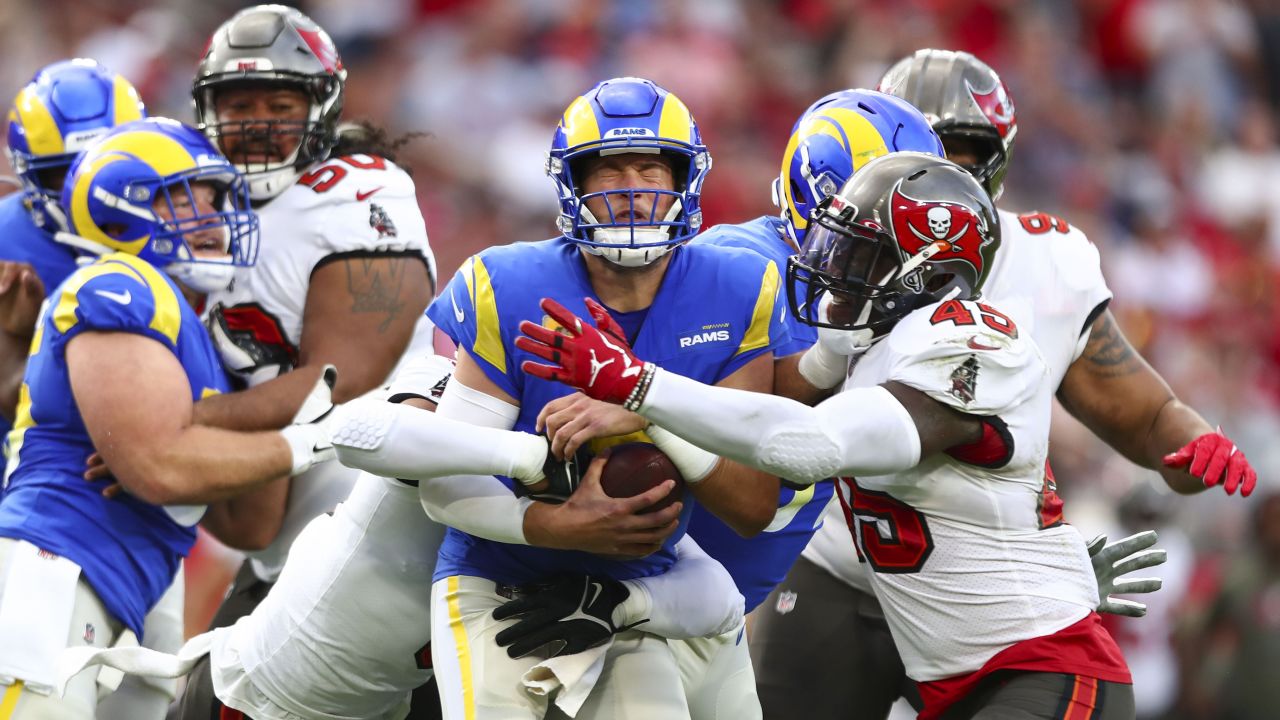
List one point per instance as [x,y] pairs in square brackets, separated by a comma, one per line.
[863,431]
[479,505]
[695,598]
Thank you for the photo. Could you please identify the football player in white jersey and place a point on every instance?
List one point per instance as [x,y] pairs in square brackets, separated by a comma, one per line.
[1047,276]
[940,437]
[344,272]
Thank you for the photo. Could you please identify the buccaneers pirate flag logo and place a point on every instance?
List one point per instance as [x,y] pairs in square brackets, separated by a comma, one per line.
[956,230]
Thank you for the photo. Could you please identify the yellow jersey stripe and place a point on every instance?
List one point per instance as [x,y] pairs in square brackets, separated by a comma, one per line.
[757,335]
[488,332]
[9,702]
[64,313]
[43,136]
[167,319]
[460,646]
[784,514]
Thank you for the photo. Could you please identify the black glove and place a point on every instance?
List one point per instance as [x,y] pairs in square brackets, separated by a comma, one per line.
[563,476]
[570,616]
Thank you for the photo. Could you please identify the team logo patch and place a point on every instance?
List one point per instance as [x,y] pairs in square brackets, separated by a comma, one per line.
[379,220]
[786,602]
[959,231]
[964,380]
[45,554]
[712,333]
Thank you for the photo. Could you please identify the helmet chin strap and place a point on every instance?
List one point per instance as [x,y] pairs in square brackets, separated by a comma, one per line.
[615,244]
[266,184]
[203,276]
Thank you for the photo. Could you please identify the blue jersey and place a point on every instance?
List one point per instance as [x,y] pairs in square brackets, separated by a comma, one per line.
[22,240]
[758,564]
[128,550]
[716,310]
[764,236]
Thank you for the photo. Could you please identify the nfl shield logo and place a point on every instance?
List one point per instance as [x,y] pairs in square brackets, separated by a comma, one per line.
[786,602]
[89,633]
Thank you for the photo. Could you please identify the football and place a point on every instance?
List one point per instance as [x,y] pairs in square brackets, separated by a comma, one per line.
[635,467]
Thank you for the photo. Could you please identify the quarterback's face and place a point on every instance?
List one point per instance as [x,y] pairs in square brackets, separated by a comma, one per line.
[208,239]
[260,124]
[629,171]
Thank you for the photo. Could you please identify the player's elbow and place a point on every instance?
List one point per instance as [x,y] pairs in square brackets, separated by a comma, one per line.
[755,516]
[156,486]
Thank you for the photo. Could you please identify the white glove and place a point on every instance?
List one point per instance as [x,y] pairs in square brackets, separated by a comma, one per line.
[1121,558]
[308,436]
[826,364]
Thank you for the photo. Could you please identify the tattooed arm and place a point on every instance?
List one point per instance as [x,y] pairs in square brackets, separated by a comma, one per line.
[1122,400]
[360,315]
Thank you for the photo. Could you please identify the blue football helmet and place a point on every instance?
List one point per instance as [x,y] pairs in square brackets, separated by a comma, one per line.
[65,107]
[628,115]
[833,139]
[113,187]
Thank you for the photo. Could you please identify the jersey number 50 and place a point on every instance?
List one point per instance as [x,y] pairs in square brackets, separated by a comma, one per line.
[888,533]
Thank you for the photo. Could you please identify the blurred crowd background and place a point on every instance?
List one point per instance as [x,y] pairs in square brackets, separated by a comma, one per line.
[1150,124]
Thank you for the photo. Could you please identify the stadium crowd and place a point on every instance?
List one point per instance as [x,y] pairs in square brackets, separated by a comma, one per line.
[1152,125]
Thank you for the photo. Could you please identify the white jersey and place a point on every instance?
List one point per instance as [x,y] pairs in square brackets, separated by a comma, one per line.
[965,561]
[1047,277]
[353,206]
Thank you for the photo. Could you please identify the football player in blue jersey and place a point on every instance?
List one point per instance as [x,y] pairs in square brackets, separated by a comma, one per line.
[65,107]
[628,162]
[118,361]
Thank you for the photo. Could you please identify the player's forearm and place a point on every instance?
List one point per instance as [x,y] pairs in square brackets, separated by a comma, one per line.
[695,598]
[13,365]
[250,521]
[789,383]
[269,406]
[745,498]
[405,442]
[479,505]
[863,431]
[201,465]
[1175,425]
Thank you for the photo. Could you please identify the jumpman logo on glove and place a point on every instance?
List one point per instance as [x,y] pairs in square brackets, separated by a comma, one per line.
[596,359]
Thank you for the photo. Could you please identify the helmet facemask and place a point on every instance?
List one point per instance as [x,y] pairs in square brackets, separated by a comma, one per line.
[203,249]
[854,275]
[268,171]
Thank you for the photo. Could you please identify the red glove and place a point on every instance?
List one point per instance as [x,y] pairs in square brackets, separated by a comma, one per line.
[594,359]
[1212,457]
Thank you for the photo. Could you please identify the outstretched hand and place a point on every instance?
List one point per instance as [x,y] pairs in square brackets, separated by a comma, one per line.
[1112,562]
[1215,459]
[594,358]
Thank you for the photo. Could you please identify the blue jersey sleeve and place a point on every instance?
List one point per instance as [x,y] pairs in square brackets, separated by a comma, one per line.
[117,296]
[467,311]
[769,327]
